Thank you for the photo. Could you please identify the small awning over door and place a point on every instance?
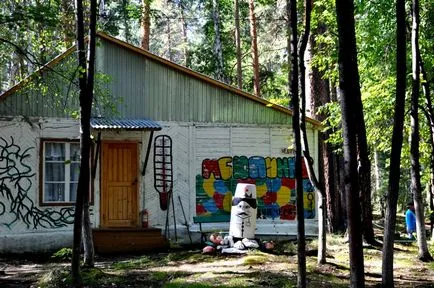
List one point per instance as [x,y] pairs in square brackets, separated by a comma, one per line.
[124,124]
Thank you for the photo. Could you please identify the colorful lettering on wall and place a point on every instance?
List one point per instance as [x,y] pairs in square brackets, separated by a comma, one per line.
[274,180]
[16,178]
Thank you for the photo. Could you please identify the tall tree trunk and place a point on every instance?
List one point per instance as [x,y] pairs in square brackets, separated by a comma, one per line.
[184,33]
[255,61]
[416,188]
[335,189]
[89,253]
[301,241]
[218,49]
[430,118]
[305,145]
[146,24]
[395,156]
[125,19]
[238,44]
[349,85]
[169,41]
[365,179]
[364,170]
[86,80]
[78,216]
[340,173]
[378,182]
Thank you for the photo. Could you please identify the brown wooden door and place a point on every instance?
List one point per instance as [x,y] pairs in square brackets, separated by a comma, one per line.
[119,172]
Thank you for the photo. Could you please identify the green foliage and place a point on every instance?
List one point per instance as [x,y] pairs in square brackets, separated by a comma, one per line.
[333,124]
[63,255]
[33,32]
[30,36]
[280,101]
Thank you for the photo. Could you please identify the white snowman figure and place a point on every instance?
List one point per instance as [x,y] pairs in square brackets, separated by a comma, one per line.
[243,212]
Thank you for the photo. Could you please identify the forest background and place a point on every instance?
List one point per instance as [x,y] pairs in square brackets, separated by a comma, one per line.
[248,47]
[201,35]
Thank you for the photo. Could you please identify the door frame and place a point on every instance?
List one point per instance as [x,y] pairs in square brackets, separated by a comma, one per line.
[101,176]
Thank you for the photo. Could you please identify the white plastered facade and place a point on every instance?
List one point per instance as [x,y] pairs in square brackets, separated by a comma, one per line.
[191,142]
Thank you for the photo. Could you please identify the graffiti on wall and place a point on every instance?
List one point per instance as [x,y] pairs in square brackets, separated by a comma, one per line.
[16,181]
[275,186]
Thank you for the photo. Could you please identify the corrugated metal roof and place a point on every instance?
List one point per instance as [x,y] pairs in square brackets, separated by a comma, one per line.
[150,87]
[124,124]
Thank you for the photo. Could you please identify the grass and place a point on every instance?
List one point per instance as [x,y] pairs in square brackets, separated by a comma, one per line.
[191,268]
[138,263]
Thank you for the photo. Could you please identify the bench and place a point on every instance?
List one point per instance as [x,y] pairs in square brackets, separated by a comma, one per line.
[209,219]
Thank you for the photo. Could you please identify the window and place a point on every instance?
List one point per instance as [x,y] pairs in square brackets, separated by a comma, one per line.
[60,171]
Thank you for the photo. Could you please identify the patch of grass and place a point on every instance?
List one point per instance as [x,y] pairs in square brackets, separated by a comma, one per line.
[312,245]
[334,239]
[91,277]
[190,257]
[255,260]
[227,280]
[267,279]
[182,284]
[311,264]
[133,263]
[55,278]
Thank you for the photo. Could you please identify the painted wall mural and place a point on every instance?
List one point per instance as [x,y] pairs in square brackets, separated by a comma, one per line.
[16,181]
[275,186]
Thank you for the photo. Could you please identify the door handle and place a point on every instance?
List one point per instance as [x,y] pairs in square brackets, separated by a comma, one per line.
[134,181]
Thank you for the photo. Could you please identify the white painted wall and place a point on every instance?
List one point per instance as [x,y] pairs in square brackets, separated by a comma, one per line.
[192,143]
[30,227]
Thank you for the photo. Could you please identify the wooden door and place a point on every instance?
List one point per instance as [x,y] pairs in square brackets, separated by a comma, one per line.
[119,172]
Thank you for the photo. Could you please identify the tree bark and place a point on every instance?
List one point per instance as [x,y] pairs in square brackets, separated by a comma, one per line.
[334,189]
[430,118]
[78,216]
[301,241]
[349,85]
[238,44]
[86,80]
[305,145]
[397,139]
[378,194]
[146,24]
[255,60]
[89,253]
[365,179]
[169,41]
[184,33]
[429,112]
[127,31]
[218,49]
[416,188]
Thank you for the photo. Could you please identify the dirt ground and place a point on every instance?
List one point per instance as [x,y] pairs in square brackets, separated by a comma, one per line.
[190,268]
